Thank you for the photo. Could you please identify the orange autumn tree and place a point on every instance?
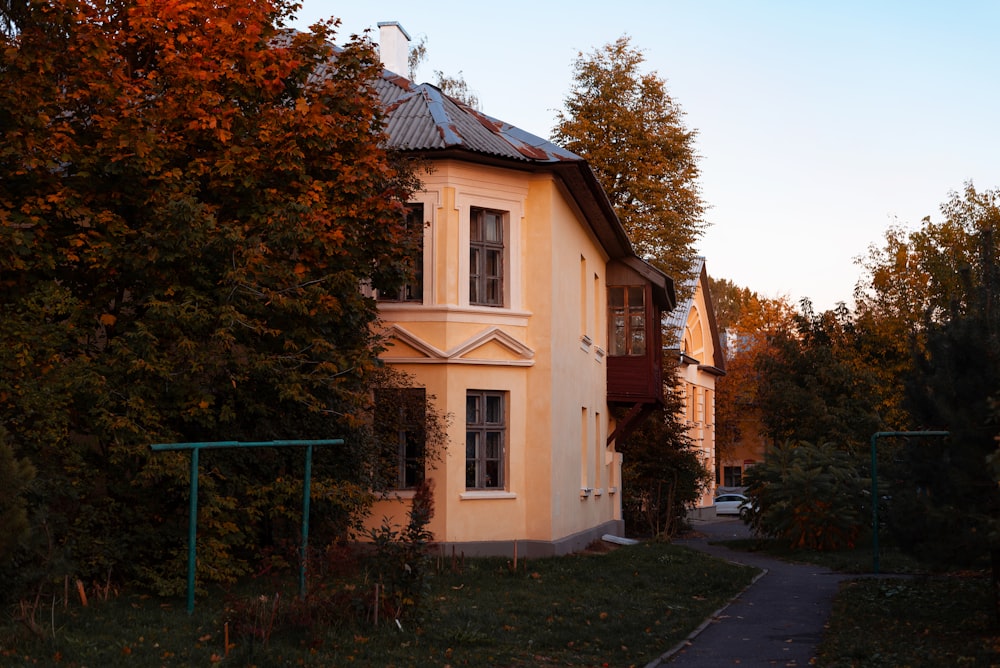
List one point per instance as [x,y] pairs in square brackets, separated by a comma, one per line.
[752,324]
[190,199]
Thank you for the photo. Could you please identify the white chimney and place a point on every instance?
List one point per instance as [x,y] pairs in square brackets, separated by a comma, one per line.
[394,47]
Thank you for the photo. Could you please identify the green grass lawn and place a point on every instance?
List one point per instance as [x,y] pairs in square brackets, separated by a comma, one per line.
[922,622]
[620,608]
[624,607]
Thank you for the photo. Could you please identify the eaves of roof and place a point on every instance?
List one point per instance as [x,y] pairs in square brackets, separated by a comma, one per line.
[675,322]
[423,120]
[663,286]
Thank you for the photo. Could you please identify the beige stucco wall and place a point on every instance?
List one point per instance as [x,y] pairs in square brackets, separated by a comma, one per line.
[699,388]
[545,349]
[746,452]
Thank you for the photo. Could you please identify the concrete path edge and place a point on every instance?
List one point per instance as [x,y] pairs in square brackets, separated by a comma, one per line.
[666,656]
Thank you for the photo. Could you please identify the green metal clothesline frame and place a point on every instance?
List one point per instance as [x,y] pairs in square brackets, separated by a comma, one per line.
[195,448]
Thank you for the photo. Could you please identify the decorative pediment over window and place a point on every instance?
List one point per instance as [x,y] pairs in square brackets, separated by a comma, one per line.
[492,346]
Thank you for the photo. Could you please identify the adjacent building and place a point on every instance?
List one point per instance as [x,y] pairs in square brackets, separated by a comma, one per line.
[696,345]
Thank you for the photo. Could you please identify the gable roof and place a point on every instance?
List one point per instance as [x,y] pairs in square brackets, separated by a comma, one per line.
[675,322]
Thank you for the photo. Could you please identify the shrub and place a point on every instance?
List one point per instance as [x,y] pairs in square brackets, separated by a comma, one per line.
[15,476]
[399,561]
[810,495]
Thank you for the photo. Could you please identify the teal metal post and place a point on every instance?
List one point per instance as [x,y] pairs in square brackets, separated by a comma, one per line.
[192,529]
[193,513]
[305,520]
[877,435]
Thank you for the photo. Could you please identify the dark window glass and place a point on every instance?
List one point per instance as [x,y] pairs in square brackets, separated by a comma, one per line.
[400,422]
[626,320]
[486,257]
[413,289]
[485,435]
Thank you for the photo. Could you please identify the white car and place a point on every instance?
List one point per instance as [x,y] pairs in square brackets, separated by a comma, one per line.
[731,504]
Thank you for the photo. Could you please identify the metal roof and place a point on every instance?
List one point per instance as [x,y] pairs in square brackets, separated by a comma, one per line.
[422,118]
[675,321]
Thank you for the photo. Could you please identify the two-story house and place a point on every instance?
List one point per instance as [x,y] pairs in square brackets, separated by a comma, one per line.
[695,343]
[530,321]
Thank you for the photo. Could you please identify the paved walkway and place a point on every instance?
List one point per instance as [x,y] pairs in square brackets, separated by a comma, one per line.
[777,621]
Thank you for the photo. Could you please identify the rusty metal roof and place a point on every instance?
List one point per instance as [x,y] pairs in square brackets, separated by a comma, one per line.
[422,118]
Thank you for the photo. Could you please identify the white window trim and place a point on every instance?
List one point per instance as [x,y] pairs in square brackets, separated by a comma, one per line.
[431,201]
[473,495]
[465,202]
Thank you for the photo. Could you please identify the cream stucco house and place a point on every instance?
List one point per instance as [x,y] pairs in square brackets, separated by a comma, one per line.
[696,344]
[530,321]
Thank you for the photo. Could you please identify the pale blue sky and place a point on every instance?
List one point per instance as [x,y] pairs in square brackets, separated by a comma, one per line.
[819,123]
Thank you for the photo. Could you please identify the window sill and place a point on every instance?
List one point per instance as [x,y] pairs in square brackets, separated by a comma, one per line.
[473,495]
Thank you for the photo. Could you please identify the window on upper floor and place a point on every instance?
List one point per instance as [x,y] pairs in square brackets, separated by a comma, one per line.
[400,423]
[413,289]
[486,257]
[485,439]
[626,320]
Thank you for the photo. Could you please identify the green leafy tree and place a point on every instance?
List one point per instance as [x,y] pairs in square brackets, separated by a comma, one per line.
[945,498]
[453,86]
[916,277]
[186,215]
[811,387]
[400,557]
[15,476]
[632,134]
[731,302]
[457,87]
[662,473]
[807,494]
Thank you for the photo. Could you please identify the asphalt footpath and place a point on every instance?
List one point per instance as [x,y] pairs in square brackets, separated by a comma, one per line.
[776,621]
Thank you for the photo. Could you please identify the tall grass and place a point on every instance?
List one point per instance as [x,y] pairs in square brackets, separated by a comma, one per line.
[620,608]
